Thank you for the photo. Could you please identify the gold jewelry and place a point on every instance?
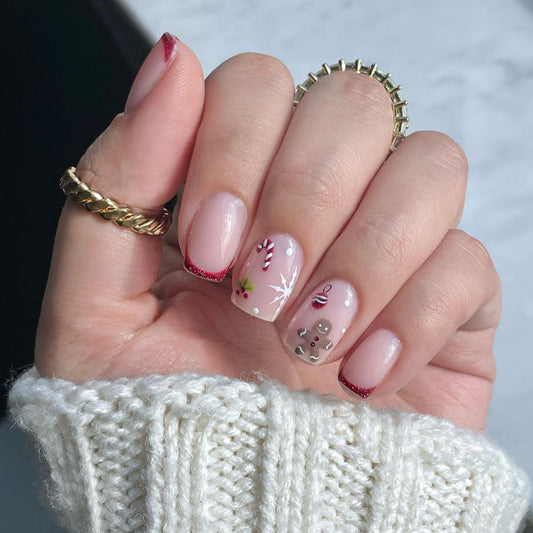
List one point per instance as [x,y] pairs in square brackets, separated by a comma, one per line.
[108,209]
[399,106]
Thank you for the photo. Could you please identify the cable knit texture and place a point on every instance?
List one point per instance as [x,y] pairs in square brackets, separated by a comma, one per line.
[199,453]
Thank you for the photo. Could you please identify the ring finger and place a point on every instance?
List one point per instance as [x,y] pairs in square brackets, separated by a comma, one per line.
[335,143]
[415,198]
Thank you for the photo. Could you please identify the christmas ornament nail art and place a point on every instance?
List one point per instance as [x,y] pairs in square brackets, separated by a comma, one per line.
[320,299]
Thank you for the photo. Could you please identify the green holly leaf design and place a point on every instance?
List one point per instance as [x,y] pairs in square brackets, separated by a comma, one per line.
[246,285]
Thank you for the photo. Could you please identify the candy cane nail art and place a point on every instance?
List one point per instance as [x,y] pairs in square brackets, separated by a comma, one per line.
[321,321]
[267,245]
[265,282]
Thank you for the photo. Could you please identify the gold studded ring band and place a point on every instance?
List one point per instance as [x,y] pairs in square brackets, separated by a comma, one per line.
[108,209]
[399,105]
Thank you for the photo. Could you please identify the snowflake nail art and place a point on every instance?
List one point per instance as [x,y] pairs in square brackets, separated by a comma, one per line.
[268,277]
[284,290]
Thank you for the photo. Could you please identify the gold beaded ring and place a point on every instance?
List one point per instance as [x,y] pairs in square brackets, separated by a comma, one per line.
[399,105]
[108,209]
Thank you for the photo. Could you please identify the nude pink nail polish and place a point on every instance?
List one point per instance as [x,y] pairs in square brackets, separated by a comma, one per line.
[268,276]
[214,236]
[366,368]
[153,68]
[321,321]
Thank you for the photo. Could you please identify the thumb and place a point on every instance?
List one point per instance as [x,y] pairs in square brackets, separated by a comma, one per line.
[139,160]
[143,155]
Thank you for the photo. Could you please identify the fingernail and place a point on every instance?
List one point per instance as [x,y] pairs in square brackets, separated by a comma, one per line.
[268,276]
[153,68]
[321,321]
[215,235]
[366,368]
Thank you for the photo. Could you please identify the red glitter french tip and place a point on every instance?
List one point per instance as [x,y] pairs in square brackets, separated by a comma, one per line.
[152,69]
[360,391]
[190,267]
[169,43]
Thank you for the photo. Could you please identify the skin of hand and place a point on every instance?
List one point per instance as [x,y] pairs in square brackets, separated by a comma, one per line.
[422,298]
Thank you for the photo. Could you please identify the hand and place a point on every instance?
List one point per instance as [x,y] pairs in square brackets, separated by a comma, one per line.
[422,298]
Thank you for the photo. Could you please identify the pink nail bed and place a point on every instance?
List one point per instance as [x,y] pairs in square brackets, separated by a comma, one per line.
[153,68]
[268,276]
[366,368]
[214,236]
[321,321]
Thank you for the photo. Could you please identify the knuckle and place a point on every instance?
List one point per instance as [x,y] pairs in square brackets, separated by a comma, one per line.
[443,163]
[387,241]
[103,155]
[362,89]
[437,304]
[265,69]
[243,154]
[90,168]
[442,151]
[441,300]
[475,250]
[322,188]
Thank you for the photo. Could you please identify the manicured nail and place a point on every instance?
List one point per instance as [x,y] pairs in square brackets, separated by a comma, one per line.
[153,68]
[268,276]
[215,235]
[366,368]
[321,321]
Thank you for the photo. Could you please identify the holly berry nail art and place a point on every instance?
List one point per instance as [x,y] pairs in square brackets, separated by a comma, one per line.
[244,287]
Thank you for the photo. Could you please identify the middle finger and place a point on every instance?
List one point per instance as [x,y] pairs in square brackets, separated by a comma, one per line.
[335,143]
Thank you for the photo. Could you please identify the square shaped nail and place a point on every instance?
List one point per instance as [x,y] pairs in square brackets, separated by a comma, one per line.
[268,276]
[370,363]
[215,235]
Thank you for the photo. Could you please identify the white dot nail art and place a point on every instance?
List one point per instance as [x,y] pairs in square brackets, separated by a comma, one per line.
[346,303]
[255,311]
[343,330]
[289,251]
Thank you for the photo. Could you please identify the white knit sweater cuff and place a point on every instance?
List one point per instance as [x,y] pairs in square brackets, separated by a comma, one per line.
[211,453]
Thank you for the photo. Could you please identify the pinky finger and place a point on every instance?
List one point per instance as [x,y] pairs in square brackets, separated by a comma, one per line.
[456,289]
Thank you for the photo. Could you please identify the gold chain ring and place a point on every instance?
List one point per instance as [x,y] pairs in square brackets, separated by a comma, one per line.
[399,106]
[108,209]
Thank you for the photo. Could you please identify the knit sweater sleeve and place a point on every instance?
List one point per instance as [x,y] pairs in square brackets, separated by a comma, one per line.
[200,453]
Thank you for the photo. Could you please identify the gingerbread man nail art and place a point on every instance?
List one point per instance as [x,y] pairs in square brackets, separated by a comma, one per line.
[322,319]
[315,338]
